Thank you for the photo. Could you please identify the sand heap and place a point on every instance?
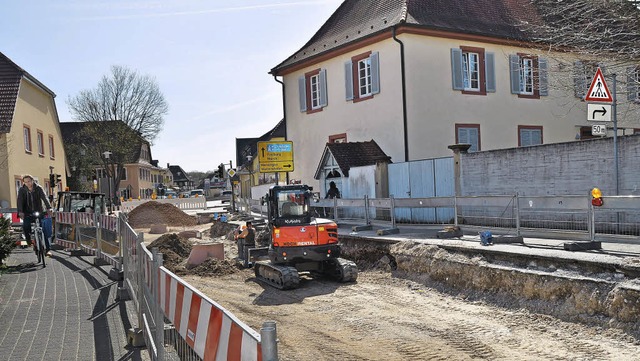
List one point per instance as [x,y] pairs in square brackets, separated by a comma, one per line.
[153,212]
[175,251]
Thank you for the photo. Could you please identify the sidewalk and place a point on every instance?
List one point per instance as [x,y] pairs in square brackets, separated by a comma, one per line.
[66,311]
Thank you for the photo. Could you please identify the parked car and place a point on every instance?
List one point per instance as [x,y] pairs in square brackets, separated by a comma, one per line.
[196,193]
[170,194]
[226,196]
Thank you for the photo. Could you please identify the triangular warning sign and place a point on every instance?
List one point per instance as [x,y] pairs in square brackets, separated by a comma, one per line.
[598,91]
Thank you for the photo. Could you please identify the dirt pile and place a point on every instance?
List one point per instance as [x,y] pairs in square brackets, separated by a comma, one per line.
[153,212]
[175,251]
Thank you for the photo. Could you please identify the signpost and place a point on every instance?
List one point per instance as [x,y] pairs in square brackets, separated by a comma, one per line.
[275,156]
[599,93]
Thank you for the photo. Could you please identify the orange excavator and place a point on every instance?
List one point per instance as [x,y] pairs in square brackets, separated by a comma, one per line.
[300,242]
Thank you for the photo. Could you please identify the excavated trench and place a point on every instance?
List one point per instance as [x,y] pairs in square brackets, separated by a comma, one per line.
[592,293]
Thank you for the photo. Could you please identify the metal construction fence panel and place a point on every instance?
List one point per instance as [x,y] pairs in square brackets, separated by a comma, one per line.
[175,319]
[619,216]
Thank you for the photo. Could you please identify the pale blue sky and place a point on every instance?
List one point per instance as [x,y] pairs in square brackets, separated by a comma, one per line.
[210,58]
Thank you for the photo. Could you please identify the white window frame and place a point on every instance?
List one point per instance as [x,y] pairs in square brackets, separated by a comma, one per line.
[364,77]
[40,141]
[471,71]
[314,86]
[26,135]
[526,76]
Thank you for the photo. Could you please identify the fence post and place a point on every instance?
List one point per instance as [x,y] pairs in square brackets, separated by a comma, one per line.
[517,214]
[269,341]
[97,219]
[367,221]
[591,220]
[393,211]
[335,209]
[455,210]
[158,316]
[140,278]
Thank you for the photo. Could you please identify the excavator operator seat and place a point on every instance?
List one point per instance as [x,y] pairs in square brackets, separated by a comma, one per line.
[289,209]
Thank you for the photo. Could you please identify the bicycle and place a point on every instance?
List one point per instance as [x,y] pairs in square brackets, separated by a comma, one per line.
[39,240]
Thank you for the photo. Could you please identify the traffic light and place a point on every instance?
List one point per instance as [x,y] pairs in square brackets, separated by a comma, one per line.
[220,171]
[58,180]
[52,179]
[596,197]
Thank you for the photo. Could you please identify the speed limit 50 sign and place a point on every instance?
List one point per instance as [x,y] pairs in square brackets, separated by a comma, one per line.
[598,129]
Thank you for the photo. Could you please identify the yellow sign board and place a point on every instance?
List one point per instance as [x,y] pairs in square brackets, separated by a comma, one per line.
[275,156]
[273,167]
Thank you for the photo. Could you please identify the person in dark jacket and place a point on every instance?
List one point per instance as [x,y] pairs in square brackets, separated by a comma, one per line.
[333,191]
[31,198]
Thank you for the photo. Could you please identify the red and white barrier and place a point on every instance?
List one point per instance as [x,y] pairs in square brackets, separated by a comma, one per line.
[212,332]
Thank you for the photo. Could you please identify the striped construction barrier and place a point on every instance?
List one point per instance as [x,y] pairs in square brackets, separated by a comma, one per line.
[66,244]
[210,330]
[109,223]
[65,217]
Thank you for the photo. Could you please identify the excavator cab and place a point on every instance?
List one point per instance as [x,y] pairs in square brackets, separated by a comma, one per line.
[300,242]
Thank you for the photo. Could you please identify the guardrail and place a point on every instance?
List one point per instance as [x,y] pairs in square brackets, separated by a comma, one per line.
[570,216]
[198,328]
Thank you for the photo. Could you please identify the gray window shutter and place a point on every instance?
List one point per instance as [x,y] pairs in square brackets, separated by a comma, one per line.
[632,83]
[302,93]
[543,77]
[525,137]
[456,69]
[514,70]
[490,73]
[323,87]
[375,72]
[348,79]
[579,80]
[463,135]
[536,137]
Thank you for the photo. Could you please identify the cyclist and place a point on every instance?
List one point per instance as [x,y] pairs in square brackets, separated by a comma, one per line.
[31,197]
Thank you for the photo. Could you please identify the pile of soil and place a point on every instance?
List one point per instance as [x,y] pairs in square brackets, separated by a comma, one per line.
[175,251]
[173,248]
[153,212]
[210,267]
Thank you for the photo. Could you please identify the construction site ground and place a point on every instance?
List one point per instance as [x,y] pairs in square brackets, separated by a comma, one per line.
[421,298]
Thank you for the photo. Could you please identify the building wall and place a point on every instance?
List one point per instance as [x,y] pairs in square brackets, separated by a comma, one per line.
[433,107]
[571,168]
[35,108]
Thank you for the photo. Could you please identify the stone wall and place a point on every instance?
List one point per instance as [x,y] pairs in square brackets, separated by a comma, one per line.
[571,168]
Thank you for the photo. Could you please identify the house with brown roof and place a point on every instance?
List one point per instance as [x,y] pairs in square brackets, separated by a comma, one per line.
[139,175]
[30,137]
[338,159]
[419,75]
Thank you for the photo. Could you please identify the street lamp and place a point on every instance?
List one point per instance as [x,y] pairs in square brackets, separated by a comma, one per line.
[107,154]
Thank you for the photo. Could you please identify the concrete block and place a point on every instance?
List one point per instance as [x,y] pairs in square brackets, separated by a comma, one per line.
[200,252]
[450,232]
[383,232]
[582,246]
[135,337]
[99,262]
[361,228]
[116,275]
[158,229]
[506,239]
[77,253]
[122,294]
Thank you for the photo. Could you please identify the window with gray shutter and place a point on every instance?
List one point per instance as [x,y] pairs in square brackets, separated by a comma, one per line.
[514,71]
[375,73]
[323,88]
[543,77]
[348,80]
[469,135]
[302,93]
[490,73]
[530,136]
[456,69]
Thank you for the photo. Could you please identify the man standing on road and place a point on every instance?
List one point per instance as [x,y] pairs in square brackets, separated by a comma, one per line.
[246,239]
[30,199]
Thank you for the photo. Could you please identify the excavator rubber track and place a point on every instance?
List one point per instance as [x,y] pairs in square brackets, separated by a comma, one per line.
[281,277]
[342,270]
